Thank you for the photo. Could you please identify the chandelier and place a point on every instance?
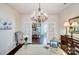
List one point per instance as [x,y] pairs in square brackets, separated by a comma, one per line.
[40,16]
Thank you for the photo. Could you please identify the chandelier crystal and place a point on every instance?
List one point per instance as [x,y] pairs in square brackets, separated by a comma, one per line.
[40,16]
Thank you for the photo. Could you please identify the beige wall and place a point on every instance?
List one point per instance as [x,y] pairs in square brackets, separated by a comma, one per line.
[11,13]
[69,12]
[7,40]
[17,16]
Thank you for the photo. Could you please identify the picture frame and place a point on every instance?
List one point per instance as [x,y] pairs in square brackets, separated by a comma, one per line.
[5,24]
[75,28]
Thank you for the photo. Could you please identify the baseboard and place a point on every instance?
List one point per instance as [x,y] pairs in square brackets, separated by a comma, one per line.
[12,52]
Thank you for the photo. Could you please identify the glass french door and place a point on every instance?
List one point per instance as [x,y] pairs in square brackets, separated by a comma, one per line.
[43,34]
[39,33]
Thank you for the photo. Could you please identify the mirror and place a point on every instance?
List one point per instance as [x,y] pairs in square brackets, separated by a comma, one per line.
[74,25]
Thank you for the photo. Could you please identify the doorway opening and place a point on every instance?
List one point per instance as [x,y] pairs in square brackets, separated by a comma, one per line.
[36,32]
[39,33]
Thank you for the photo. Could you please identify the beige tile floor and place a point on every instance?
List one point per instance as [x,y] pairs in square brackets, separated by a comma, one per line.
[37,49]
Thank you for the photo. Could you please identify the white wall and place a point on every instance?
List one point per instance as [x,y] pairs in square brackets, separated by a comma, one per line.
[26,19]
[70,12]
[52,27]
[26,28]
[7,40]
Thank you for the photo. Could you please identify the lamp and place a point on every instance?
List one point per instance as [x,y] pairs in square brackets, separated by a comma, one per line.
[66,25]
[72,26]
[40,16]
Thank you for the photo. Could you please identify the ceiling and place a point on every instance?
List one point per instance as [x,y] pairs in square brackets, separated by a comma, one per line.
[29,8]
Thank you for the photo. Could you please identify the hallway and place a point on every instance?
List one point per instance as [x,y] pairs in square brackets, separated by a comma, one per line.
[37,49]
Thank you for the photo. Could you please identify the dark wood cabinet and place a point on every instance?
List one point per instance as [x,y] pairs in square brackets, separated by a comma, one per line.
[64,43]
[69,45]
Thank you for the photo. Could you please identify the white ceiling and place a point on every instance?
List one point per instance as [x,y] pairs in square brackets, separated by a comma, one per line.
[29,8]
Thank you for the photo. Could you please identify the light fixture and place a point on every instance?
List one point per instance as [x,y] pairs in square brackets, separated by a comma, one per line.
[71,27]
[66,25]
[74,24]
[40,16]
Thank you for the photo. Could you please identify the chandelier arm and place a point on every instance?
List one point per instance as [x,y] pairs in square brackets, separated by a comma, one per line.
[40,16]
[39,9]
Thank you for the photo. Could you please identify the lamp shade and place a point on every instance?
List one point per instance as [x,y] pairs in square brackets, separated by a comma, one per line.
[66,24]
[74,24]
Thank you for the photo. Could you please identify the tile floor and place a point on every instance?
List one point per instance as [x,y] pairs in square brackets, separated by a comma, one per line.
[37,49]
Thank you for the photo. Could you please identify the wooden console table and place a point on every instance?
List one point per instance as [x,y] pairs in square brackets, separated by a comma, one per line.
[69,45]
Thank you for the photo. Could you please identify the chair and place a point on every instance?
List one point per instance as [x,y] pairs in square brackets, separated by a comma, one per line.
[54,43]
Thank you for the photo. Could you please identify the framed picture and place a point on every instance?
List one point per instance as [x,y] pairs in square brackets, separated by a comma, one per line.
[74,25]
[5,24]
